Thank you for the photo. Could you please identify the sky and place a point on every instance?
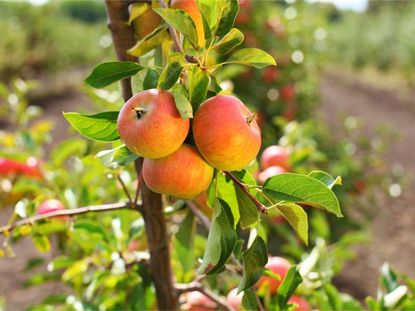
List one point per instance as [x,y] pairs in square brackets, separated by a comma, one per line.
[356,5]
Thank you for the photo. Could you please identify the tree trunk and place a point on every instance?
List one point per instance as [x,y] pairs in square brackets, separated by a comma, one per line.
[152,209]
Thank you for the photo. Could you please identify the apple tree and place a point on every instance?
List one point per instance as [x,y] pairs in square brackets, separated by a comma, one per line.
[185,227]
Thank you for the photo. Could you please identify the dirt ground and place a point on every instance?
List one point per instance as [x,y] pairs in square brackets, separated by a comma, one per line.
[392,227]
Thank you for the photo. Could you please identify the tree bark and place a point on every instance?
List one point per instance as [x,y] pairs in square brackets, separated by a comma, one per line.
[152,208]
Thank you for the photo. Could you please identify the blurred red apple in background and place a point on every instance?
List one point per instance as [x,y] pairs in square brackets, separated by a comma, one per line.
[234,299]
[196,301]
[275,156]
[50,206]
[301,304]
[269,172]
[277,265]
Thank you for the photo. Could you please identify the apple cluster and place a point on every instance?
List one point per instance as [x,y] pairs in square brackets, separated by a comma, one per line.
[180,155]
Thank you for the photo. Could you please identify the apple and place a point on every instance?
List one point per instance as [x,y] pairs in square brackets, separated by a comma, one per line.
[270,74]
[287,92]
[183,174]
[226,133]
[191,8]
[146,23]
[244,13]
[150,125]
[301,304]
[277,265]
[50,206]
[234,299]
[275,156]
[196,301]
[8,167]
[31,168]
[269,172]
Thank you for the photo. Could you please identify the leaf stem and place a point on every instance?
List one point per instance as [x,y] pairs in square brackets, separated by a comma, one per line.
[260,207]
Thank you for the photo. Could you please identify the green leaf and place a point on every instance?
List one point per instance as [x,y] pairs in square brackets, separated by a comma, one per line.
[151,79]
[251,57]
[90,226]
[120,155]
[149,42]
[226,191]
[231,40]
[226,11]
[106,73]
[183,104]
[181,21]
[334,297]
[249,215]
[41,242]
[249,300]
[254,260]
[221,239]
[198,85]
[288,286]
[101,126]
[184,243]
[302,190]
[296,217]
[326,178]
[172,72]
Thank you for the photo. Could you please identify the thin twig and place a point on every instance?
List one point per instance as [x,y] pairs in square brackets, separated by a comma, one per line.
[173,32]
[124,187]
[138,189]
[67,212]
[198,213]
[260,207]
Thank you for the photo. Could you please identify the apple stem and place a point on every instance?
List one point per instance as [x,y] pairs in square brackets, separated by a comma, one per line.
[251,118]
[260,207]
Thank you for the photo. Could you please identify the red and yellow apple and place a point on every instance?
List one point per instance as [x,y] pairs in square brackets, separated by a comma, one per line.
[50,206]
[150,125]
[277,265]
[183,174]
[275,156]
[270,172]
[301,304]
[196,301]
[191,8]
[234,299]
[226,133]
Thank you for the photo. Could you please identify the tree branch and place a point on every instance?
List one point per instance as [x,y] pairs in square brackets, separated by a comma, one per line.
[198,213]
[122,37]
[67,212]
[260,207]
[124,187]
